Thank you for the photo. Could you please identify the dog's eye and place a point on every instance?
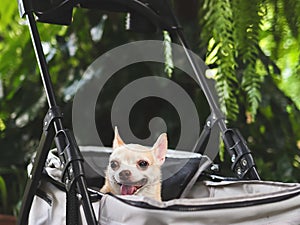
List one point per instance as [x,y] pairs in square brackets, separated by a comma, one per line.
[114,165]
[143,164]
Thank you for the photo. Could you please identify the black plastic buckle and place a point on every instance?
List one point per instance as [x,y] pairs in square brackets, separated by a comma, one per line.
[70,156]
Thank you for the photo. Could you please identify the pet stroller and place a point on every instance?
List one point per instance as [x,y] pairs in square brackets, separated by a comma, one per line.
[57,190]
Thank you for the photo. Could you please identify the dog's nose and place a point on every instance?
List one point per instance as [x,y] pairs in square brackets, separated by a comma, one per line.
[124,174]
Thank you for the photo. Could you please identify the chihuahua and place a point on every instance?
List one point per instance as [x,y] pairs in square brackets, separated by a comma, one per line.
[134,169]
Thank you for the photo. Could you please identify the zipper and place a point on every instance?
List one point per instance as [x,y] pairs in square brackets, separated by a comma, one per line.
[202,207]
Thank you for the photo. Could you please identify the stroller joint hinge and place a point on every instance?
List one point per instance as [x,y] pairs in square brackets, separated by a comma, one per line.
[241,157]
[242,165]
[52,114]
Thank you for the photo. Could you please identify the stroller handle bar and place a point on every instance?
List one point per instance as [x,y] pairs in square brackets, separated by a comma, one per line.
[155,13]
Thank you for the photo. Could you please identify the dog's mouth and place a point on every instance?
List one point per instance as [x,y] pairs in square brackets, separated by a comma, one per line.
[130,188]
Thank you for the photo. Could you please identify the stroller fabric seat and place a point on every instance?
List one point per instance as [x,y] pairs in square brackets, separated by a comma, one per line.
[207,202]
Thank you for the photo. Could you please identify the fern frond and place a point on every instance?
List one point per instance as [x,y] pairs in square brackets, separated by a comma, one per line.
[247,17]
[251,84]
[219,27]
[291,10]
[169,65]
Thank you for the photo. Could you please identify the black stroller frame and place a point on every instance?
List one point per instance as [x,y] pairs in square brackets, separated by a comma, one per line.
[158,14]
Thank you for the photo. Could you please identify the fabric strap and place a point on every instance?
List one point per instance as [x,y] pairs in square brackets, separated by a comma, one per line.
[204,163]
[72,207]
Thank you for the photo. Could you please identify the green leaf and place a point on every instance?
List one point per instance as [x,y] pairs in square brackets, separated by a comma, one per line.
[3,194]
[169,65]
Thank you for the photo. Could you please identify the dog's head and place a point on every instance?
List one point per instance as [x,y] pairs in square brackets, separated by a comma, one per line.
[133,167]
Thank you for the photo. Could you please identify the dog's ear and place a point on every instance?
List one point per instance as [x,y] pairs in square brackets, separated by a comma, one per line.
[160,148]
[117,140]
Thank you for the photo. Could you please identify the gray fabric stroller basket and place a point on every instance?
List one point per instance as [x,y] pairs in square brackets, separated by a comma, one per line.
[207,202]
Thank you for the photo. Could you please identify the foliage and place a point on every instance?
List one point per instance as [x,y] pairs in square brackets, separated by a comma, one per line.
[247,41]
[254,47]
[219,17]
[169,67]
[246,38]
[3,194]
[12,180]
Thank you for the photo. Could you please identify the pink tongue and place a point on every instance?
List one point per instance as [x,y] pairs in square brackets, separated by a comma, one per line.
[127,189]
